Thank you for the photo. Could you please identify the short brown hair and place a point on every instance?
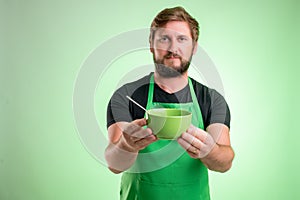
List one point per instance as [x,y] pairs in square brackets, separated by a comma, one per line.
[175,14]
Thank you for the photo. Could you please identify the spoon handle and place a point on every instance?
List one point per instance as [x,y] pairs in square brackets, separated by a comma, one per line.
[136,103]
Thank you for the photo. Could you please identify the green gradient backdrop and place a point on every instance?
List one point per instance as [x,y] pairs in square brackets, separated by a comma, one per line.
[43,44]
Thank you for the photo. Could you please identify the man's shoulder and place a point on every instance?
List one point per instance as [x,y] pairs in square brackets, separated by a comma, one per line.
[132,86]
[202,89]
[139,82]
[199,86]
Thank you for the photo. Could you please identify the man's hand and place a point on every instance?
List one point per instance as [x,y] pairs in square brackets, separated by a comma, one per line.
[126,139]
[197,142]
[134,137]
[212,147]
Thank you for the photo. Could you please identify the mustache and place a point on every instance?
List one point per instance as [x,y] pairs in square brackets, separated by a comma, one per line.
[172,55]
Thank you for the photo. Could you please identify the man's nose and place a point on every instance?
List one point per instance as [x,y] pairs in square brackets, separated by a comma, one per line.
[173,47]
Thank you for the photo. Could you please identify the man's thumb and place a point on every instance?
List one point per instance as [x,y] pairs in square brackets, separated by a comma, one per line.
[140,122]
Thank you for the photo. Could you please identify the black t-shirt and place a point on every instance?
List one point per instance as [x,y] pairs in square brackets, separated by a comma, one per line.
[213,106]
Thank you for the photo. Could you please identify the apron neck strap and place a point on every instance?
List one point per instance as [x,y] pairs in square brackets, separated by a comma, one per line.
[151,90]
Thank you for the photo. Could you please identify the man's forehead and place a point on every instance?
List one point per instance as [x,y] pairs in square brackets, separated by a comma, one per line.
[175,28]
[170,31]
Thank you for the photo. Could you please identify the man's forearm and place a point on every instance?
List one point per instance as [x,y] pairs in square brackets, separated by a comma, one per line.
[219,159]
[118,158]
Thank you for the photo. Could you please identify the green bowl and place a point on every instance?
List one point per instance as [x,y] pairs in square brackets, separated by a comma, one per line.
[168,123]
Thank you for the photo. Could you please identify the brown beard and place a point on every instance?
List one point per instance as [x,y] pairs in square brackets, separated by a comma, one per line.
[169,72]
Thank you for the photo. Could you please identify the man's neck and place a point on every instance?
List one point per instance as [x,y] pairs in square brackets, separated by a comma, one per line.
[171,85]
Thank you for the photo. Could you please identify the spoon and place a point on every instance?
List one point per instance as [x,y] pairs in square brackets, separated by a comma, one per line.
[136,103]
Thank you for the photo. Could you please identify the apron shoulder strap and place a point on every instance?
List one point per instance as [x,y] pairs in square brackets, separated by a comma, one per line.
[150,92]
[196,104]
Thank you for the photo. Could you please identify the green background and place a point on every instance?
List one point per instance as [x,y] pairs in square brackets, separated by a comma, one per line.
[254,45]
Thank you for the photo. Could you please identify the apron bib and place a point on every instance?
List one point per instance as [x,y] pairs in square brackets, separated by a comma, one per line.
[178,176]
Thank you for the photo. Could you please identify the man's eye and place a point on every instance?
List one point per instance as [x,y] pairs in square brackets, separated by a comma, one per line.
[182,39]
[164,39]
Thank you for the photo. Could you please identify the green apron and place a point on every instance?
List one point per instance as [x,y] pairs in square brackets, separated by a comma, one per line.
[177,177]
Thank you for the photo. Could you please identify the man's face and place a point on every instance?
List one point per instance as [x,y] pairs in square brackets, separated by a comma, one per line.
[172,49]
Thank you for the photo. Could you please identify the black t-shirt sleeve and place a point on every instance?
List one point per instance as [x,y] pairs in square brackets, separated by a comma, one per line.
[117,109]
[121,109]
[219,112]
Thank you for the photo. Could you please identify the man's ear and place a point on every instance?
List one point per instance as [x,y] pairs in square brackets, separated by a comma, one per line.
[195,48]
[151,49]
[151,46]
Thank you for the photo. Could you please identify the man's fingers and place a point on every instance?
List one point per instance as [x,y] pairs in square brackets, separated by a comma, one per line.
[142,143]
[184,143]
[134,132]
[140,122]
[198,133]
[191,150]
[141,138]
[136,136]
[141,133]
[192,140]
[135,129]
[131,128]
